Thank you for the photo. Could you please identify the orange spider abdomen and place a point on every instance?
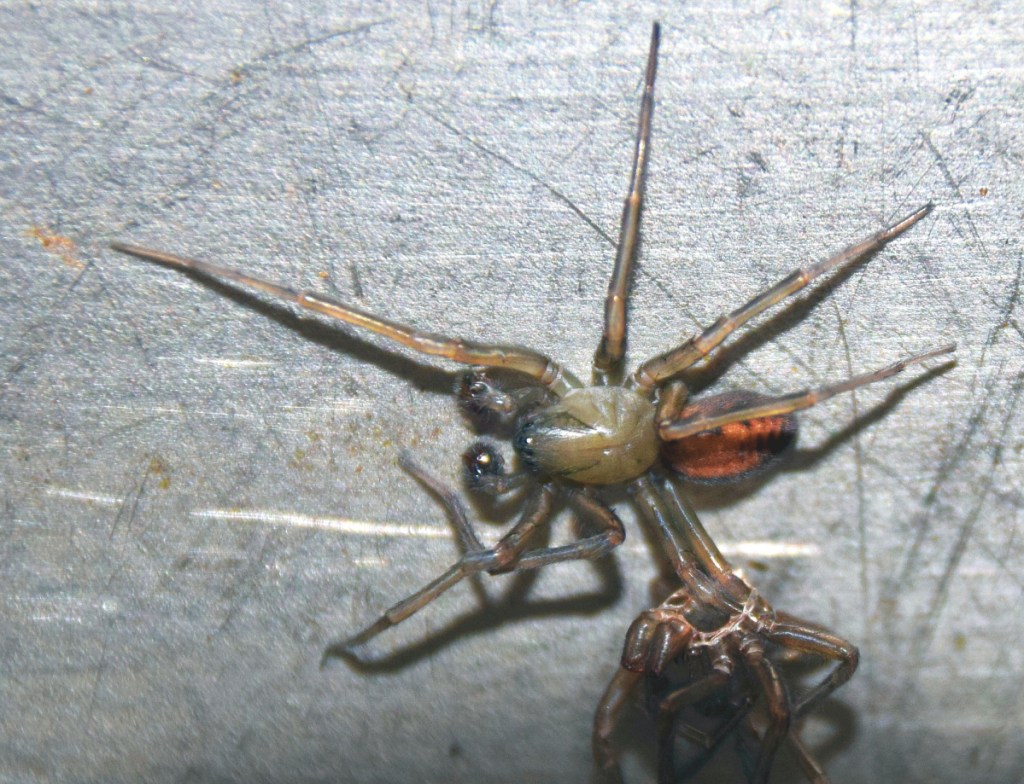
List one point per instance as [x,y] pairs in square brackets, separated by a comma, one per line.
[732,452]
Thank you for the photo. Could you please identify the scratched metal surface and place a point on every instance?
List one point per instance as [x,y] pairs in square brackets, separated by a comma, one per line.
[200,492]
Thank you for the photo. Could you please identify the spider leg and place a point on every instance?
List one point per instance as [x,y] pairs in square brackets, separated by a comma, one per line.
[472,562]
[612,535]
[516,358]
[611,349]
[506,556]
[811,768]
[808,638]
[695,558]
[777,704]
[669,728]
[688,426]
[664,366]
[449,499]
[668,711]
[606,717]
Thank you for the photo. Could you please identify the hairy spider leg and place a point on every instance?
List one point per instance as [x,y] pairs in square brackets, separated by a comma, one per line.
[516,358]
[509,554]
[607,365]
[662,367]
[673,430]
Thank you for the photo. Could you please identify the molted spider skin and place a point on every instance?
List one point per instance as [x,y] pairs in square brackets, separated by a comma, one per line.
[735,451]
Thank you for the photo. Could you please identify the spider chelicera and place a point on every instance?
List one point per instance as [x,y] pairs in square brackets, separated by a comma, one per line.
[574,439]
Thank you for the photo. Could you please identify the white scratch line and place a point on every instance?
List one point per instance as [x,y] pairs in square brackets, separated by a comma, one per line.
[340,524]
[769,549]
[234,363]
[79,495]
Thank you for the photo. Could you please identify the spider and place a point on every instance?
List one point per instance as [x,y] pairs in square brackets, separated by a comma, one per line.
[724,635]
[574,439]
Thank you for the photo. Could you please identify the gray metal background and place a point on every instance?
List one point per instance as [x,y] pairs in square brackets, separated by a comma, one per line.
[200,492]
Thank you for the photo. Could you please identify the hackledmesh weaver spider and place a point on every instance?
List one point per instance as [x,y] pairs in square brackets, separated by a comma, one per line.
[630,429]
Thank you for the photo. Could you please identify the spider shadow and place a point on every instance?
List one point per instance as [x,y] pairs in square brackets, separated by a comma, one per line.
[423,376]
[510,607]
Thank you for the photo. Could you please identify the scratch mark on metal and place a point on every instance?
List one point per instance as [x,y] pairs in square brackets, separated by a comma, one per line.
[339,524]
[228,362]
[83,495]
[926,631]
[764,548]
[522,170]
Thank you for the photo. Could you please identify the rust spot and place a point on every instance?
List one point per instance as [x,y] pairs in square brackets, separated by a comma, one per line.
[158,468]
[983,191]
[61,247]
[323,275]
[732,452]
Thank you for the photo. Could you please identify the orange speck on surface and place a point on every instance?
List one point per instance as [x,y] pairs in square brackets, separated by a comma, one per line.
[158,467]
[983,191]
[62,247]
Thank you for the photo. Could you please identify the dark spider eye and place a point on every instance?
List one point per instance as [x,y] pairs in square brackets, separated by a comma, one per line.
[477,393]
[481,460]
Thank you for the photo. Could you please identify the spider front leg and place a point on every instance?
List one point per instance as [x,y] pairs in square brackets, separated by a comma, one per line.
[515,358]
[476,558]
[664,366]
[612,348]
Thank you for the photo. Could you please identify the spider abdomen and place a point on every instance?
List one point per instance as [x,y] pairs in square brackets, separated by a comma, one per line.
[732,452]
[594,436]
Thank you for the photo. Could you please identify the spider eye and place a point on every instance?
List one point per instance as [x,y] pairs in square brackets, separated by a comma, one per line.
[477,394]
[482,460]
